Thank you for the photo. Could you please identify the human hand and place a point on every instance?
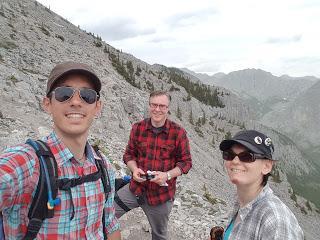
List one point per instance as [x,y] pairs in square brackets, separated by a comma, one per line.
[136,174]
[160,178]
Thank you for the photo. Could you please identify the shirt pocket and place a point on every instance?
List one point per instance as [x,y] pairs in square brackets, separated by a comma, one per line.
[142,151]
[167,151]
[167,157]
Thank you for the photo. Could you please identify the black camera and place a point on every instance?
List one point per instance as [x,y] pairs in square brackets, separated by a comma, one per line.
[148,176]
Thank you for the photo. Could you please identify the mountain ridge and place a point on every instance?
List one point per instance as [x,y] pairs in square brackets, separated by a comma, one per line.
[34,39]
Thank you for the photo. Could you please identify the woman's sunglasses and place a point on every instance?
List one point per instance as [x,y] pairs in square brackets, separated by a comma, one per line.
[243,156]
[63,94]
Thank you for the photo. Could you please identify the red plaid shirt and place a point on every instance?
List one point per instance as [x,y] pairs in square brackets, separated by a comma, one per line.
[161,151]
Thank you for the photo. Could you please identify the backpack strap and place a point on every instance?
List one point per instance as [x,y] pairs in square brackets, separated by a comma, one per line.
[44,199]
[67,183]
[106,184]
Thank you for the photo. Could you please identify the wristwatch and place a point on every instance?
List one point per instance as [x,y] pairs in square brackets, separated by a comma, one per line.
[168,176]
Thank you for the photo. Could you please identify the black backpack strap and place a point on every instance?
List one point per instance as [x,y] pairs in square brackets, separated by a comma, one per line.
[44,199]
[106,184]
[121,203]
[67,183]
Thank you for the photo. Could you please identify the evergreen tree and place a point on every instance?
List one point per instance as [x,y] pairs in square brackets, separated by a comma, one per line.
[213,141]
[179,114]
[191,117]
[199,122]
[203,119]
[228,135]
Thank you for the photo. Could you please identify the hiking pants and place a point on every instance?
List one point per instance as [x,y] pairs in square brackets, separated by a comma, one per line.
[158,216]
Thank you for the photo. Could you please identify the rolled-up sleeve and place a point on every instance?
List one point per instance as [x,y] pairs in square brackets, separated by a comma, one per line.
[183,156]
[16,169]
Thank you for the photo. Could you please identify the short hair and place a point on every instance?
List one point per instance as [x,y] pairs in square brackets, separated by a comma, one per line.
[265,179]
[160,93]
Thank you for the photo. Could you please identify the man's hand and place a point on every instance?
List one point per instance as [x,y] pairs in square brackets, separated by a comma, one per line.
[160,178]
[136,174]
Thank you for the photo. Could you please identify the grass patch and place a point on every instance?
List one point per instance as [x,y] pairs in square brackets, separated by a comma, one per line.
[44,30]
[8,45]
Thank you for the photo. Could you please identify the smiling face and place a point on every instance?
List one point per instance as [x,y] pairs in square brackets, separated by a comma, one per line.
[158,110]
[73,117]
[246,174]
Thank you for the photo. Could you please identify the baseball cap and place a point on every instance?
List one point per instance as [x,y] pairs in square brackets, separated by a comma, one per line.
[255,141]
[65,68]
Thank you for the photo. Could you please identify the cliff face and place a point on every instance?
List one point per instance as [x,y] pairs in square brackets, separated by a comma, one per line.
[33,39]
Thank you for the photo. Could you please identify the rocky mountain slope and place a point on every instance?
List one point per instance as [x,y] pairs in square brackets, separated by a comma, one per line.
[33,39]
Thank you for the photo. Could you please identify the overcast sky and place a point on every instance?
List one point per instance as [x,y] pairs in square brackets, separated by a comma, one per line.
[279,36]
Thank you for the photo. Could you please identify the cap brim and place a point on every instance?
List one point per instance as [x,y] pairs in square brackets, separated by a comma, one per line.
[227,144]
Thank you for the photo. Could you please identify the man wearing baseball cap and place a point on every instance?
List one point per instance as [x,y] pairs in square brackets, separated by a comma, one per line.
[84,212]
[258,213]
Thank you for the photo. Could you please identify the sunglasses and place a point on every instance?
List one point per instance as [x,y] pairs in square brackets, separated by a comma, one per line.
[63,94]
[243,156]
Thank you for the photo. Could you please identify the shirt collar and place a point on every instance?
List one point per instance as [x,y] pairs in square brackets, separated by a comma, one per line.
[165,127]
[62,154]
[244,211]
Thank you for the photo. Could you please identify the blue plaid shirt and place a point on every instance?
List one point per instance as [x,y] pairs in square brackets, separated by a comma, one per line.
[19,174]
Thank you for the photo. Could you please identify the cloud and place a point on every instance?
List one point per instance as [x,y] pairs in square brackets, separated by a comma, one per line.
[189,18]
[284,40]
[119,29]
[161,39]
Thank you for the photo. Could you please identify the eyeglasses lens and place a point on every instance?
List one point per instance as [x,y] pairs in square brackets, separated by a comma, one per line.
[162,107]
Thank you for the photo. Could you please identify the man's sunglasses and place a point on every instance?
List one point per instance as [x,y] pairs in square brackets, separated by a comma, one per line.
[243,156]
[63,94]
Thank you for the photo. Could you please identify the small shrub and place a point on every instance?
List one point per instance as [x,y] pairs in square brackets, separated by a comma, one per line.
[173,88]
[293,196]
[198,130]
[97,43]
[276,175]
[24,13]
[228,135]
[8,45]
[150,86]
[191,118]
[179,114]
[44,30]
[303,210]
[210,198]
[60,37]
[2,12]
[13,79]
[138,71]
[12,36]
[308,205]
[116,166]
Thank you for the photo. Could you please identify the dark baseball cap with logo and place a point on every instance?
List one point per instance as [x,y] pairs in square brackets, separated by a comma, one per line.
[255,141]
[63,69]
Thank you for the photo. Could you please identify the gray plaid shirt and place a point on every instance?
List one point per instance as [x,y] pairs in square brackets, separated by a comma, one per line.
[265,218]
